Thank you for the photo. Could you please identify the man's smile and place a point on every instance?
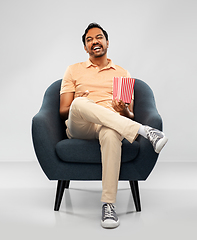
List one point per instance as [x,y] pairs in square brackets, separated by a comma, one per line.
[96,48]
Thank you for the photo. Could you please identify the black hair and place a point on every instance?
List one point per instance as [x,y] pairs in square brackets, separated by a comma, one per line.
[93,25]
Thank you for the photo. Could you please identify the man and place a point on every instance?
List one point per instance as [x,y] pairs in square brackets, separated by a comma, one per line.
[86,100]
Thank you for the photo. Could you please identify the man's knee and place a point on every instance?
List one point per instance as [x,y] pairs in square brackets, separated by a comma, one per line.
[108,134]
[78,103]
[81,102]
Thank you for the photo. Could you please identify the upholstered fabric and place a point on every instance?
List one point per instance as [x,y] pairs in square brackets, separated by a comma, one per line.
[90,151]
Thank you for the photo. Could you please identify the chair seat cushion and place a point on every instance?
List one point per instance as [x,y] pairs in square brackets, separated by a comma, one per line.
[88,151]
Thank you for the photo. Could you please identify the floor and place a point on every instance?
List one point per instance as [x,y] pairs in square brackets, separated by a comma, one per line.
[168,199]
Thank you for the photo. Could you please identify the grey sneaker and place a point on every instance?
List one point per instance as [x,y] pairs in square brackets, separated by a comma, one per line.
[156,137]
[109,217]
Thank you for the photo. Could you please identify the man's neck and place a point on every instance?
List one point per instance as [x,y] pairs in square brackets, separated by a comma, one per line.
[101,62]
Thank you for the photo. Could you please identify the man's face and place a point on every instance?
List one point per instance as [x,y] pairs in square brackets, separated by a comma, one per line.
[95,43]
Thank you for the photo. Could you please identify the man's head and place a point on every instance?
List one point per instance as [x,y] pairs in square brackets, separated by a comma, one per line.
[90,26]
[95,41]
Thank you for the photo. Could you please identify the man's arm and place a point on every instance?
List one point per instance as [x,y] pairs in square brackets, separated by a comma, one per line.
[123,109]
[65,102]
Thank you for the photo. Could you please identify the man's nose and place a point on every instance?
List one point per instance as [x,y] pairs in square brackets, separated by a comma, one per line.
[95,41]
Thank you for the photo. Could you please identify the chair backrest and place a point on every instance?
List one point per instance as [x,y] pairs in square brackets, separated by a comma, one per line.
[51,100]
[51,104]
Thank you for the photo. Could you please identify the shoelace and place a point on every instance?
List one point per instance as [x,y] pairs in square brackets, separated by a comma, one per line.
[109,210]
[153,136]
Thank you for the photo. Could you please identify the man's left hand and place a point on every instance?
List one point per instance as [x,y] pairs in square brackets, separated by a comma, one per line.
[119,106]
[123,108]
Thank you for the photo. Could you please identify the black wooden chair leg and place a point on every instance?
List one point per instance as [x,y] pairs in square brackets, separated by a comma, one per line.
[136,195]
[62,184]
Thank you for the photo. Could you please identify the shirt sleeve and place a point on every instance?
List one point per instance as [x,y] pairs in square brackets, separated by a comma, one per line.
[68,84]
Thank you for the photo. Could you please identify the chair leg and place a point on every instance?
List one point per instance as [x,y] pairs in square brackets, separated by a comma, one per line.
[62,184]
[136,195]
[67,184]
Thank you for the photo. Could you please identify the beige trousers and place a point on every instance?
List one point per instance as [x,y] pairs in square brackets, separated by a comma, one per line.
[88,120]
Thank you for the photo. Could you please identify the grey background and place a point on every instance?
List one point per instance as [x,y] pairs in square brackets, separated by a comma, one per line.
[154,40]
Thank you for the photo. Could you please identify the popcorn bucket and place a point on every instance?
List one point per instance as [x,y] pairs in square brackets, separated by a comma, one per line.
[123,88]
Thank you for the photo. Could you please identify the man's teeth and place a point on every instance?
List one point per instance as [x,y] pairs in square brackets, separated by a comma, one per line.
[96,48]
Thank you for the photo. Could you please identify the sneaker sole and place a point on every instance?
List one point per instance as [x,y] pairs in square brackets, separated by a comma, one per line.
[161,143]
[110,223]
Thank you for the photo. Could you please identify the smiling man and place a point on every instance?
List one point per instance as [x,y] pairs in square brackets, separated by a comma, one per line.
[89,112]
[96,44]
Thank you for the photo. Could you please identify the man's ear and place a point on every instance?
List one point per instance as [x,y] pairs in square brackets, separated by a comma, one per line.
[107,43]
[85,49]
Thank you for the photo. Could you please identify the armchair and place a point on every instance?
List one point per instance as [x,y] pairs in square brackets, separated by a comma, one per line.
[64,159]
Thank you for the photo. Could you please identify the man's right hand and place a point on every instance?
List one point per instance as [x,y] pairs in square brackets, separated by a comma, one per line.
[82,94]
[66,100]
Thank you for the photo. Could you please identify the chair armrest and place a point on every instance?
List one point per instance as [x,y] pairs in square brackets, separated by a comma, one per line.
[47,131]
[151,118]
[145,110]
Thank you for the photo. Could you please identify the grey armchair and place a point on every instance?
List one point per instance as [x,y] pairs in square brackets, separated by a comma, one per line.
[64,159]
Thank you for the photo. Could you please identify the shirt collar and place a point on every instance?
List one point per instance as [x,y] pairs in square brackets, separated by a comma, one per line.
[110,65]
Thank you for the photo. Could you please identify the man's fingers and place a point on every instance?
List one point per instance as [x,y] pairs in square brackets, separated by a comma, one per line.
[83,94]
